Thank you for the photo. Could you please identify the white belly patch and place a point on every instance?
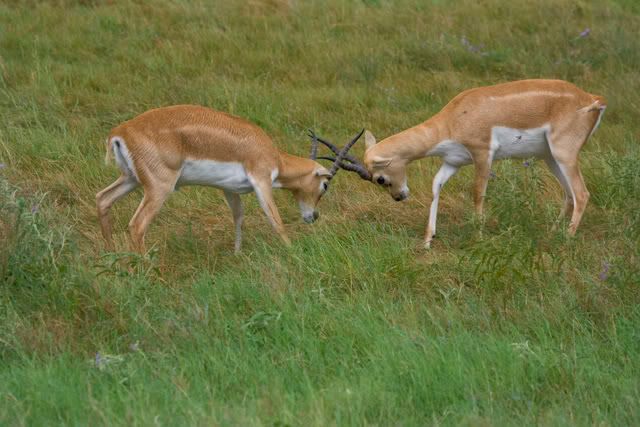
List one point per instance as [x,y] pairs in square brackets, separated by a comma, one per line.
[230,176]
[519,143]
[505,143]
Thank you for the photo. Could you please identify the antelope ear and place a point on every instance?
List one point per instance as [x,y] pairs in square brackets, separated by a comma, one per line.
[323,172]
[369,139]
[381,162]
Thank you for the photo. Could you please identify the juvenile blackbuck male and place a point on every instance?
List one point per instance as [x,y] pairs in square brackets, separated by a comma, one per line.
[170,147]
[546,119]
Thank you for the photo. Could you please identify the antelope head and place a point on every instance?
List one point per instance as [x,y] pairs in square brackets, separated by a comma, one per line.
[313,186]
[386,170]
[377,168]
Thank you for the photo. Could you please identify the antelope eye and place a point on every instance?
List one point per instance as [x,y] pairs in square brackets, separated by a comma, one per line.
[325,186]
[380,180]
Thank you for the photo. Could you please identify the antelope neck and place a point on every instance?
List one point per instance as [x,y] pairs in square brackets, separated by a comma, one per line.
[411,144]
[291,169]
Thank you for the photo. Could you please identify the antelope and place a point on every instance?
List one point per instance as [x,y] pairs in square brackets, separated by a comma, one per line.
[166,148]
[546,119]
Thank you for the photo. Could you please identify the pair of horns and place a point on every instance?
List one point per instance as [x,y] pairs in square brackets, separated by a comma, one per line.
[343,159]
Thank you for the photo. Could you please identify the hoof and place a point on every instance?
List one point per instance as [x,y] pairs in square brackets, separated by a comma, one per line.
[427,242]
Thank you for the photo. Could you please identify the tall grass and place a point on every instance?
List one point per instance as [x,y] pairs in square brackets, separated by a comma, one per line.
[354,324]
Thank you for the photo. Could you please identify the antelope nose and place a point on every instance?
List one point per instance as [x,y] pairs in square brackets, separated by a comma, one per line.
[400,197]
[309,218]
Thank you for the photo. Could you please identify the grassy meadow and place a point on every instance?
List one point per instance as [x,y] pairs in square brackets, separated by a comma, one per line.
[510,323]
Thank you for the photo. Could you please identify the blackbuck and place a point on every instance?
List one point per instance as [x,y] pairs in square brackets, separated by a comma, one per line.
[546,119]
[166,148]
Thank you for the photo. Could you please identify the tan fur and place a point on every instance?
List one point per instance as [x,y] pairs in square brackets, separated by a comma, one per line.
[159,141]
[108,156]
[469,118]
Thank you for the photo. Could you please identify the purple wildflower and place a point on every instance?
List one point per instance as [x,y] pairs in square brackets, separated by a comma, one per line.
[585,33]
[34,209]
[470,47]
[2,165]
[604,274]
[99,362]
[526,163]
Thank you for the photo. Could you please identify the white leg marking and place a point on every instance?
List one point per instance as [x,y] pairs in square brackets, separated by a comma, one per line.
[493,149]
[554,167]
[566,178]
[233,199]
[262,200]
[443,175]
[559,170]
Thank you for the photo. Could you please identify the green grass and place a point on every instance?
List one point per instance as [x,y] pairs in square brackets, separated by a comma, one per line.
[354,324]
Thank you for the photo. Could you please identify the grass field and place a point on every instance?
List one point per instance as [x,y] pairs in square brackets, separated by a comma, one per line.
[355,324]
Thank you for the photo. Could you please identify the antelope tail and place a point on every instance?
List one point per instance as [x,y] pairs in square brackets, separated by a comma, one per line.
[599,104]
